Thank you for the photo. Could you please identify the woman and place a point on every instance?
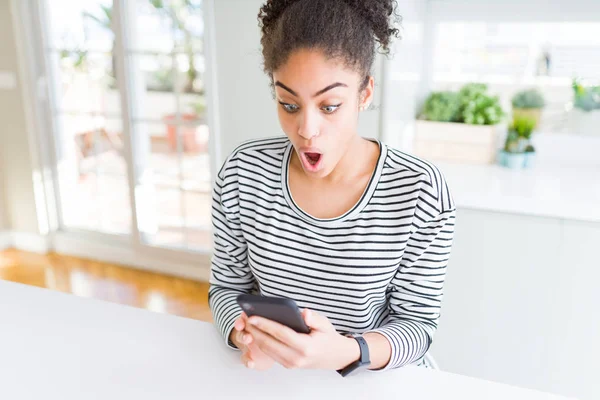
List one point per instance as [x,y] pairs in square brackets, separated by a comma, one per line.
[358,234]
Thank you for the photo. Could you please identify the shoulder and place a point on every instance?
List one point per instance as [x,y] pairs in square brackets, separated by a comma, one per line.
[426,176]
[250,150]
[271,144]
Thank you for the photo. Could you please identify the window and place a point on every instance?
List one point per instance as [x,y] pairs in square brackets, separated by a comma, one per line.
[510,56]
[128,109]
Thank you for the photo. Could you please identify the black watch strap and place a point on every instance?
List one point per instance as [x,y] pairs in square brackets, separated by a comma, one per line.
[363,361]
[365,357]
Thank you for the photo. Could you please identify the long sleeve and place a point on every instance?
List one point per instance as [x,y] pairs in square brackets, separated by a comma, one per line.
[230,273]
[415,293]
[380,267]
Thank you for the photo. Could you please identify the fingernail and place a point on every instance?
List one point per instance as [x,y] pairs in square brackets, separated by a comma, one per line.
[250,364]
[253,322]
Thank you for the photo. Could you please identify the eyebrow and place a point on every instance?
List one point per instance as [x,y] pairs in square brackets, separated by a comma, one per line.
[320,92]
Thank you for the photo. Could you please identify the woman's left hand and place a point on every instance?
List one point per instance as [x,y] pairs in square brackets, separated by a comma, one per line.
[323,348]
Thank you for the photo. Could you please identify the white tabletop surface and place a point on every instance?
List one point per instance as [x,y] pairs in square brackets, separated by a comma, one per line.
[58,346]
[546,191]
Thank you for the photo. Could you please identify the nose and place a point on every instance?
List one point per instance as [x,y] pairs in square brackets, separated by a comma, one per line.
[308,126]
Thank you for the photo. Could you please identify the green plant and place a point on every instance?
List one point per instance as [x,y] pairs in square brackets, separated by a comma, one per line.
[199,106]
[441,106]
[477,107]
[524,126]
[75,59]
[161,80]
[587,98]
[179,12]
[511,145]
[483,110]
[471,90]
[471,105]
[530,98]
[104,19]
[518,139]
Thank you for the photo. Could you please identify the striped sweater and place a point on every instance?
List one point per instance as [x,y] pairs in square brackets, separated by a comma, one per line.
[380,267]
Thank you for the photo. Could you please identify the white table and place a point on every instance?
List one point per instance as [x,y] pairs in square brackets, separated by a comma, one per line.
[58,346]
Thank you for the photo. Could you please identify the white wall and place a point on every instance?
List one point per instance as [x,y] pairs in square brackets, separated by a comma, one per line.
[3,216]
[407,74]
[521,303]
[247,109]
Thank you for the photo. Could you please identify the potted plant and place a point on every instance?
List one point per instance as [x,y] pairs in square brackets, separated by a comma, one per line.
[461,126]
[528,103]
[518,152]
[510,156]
[529,156]
[442,107]
[585,116]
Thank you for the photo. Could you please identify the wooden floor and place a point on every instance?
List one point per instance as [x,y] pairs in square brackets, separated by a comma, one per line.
[108,282]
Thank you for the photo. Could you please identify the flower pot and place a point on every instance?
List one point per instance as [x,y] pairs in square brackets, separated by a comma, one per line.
[187,133]
[533,113]
[500,157]
[457,142]
[529,160]
[513,160]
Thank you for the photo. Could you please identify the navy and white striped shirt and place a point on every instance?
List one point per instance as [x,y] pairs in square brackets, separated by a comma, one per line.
[380,267]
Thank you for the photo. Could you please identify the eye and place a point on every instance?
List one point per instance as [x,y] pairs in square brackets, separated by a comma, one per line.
[330,109]
[291,108]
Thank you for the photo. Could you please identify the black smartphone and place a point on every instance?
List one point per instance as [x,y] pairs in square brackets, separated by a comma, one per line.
[281,310]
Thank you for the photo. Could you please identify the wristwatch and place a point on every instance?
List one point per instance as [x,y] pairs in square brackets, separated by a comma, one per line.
[364,360]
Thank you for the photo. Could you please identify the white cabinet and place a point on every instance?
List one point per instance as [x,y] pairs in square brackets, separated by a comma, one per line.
[521,303]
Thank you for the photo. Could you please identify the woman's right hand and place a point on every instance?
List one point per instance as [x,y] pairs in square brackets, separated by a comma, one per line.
[252,356]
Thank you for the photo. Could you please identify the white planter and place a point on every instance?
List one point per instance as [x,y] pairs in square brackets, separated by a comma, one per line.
[455,142]
[584,123]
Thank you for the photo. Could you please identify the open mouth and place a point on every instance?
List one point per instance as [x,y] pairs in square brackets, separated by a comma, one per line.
[313,158]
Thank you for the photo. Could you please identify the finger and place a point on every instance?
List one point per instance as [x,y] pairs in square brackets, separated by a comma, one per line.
[239,324]
[238,339]
[246,338]
[273,348]
[247,360]
[316,321]
[262,361]
[278,331]
[243,337]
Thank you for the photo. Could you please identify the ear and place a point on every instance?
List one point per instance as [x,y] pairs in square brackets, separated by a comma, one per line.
[366,96]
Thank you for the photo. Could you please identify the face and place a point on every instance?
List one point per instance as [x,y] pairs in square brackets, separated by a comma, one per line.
[318,103]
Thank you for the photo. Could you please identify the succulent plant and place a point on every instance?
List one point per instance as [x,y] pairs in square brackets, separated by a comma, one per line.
[530,98]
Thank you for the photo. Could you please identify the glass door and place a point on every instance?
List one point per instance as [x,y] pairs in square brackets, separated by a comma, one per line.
[128,85]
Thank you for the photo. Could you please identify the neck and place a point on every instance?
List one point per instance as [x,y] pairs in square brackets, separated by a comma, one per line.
[353,163]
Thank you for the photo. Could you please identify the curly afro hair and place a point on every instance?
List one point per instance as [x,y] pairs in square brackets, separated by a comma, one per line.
[346,30]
